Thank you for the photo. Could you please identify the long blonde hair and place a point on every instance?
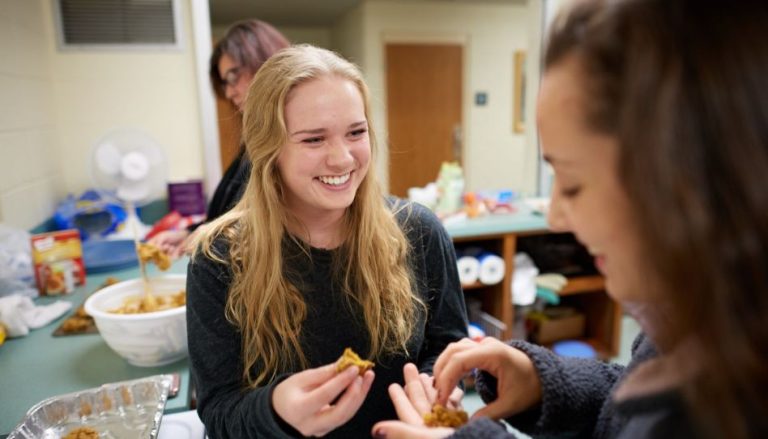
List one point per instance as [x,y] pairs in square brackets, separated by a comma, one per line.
[262,303]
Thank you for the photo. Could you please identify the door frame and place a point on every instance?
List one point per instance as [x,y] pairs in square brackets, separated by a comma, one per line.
[408,37]
[209,128]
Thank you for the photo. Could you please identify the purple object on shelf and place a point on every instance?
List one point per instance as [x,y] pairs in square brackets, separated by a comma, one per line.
[187,198]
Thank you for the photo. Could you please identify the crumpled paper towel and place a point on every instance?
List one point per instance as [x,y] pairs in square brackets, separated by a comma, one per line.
[19,314]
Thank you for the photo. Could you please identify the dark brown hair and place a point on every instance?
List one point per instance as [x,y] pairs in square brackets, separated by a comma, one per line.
[249,43]
[683,86]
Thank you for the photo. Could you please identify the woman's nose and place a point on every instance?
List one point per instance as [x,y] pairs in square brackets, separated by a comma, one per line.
[339,154]
[229,92]
[556,217]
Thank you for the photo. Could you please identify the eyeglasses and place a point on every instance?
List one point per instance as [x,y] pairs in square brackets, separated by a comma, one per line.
[232,76]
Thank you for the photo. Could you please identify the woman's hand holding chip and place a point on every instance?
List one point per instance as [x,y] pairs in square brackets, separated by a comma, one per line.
[317,401]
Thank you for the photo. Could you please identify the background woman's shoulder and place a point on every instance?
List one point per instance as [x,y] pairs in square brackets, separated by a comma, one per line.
[409,212]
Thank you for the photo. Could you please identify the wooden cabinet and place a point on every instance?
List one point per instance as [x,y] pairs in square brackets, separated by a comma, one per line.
[501,235]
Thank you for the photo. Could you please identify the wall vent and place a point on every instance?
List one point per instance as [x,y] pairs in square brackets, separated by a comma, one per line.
[86,24]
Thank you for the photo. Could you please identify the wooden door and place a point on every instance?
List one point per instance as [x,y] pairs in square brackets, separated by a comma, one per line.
[424,91]
[230,127]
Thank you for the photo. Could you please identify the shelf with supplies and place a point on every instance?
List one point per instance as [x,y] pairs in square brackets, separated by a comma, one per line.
[524,230]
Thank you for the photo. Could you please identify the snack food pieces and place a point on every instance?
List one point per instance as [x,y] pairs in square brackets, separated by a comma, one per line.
[350,358]
[444,417]
[80,322]
[82,433]
[151,253]
[137,304]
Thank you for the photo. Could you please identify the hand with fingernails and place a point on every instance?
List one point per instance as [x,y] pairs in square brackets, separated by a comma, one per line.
[316,401]
[518,387]
[412,401]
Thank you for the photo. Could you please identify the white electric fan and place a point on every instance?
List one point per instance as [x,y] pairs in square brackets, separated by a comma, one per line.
[131,165]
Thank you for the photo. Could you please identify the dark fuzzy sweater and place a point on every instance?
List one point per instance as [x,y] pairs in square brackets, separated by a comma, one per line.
[229,190]
[228,410]
[576,401]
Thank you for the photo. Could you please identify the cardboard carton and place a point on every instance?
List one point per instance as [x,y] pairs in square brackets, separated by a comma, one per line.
[58,261]
[557,324]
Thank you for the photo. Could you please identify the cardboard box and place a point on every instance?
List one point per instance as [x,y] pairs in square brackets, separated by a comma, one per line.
[558,324]
[58,261]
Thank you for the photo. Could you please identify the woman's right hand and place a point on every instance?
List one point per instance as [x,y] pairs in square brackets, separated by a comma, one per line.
[304,399]
[172,242]
[518,384]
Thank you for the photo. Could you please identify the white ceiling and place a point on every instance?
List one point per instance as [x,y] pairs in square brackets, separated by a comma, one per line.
[297,12]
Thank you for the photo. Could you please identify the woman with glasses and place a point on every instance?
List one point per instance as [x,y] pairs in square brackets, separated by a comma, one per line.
[235,60]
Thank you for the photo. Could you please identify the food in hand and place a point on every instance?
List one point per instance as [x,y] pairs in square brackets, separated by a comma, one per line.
[350,358]
[151,253]
[444,417]
[82,433]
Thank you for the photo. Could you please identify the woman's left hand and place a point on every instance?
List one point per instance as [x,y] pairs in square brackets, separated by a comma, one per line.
[412,402]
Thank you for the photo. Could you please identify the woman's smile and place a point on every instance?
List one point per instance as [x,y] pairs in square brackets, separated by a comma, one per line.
[336,181]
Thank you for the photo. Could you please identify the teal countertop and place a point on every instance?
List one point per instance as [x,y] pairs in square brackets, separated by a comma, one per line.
[39,365]
[522,220]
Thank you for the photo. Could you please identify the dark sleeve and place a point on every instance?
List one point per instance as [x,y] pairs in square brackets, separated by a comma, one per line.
[447,314]
[227,409]
[482,428]
[230,188]
[573,392]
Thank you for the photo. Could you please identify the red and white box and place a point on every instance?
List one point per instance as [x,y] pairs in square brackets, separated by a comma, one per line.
[58,261]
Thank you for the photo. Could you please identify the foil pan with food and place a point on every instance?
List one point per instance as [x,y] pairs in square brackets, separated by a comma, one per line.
[126,409]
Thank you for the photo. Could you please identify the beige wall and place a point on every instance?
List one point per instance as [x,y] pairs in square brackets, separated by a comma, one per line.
[494,156]
[57,104]
[316,35]
[30,171]
[154,90]
[347,35]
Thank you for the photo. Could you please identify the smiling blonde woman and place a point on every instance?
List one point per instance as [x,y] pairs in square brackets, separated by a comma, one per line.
[312,260]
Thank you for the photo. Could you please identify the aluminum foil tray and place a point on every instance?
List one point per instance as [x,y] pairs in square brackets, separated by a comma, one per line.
[127,409]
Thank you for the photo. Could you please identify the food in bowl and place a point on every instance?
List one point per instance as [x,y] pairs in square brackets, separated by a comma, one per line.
[143,339]
[138,304]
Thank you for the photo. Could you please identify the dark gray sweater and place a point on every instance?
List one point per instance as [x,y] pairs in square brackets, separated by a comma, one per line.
[576,401]
[228,410]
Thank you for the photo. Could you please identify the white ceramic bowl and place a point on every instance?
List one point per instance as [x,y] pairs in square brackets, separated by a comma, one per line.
[147,339]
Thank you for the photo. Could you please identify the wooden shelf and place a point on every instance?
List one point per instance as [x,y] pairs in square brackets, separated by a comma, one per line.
[583,284]
[603,352]
[473,286]
[500,235]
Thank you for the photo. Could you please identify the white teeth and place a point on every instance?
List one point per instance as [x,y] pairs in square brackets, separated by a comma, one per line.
[335,180]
